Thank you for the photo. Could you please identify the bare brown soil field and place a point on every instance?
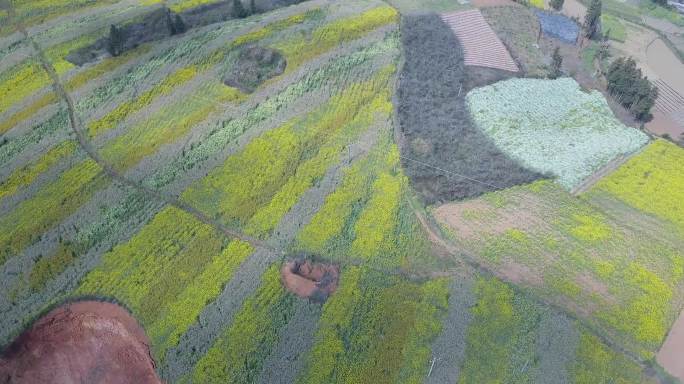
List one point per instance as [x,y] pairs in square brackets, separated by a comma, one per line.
[662,124]
[671,354]
[310,280]
[82,342]
[665,64]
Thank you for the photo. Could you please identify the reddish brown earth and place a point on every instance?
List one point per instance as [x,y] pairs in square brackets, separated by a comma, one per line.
[82,342]
[308,279]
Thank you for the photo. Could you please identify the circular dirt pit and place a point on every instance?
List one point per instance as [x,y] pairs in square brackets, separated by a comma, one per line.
[309,279]
[81,342]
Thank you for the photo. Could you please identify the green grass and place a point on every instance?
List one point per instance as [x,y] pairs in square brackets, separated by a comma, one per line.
[614,27]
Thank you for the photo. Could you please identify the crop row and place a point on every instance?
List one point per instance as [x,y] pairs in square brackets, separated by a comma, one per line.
[251,178]
[24,79]
[314,168]
[187,73]
[166,274]
[622,278]
[25,175]
[166,125]
[332,75]
[34,12]
[73,83]
[112,222]
[26,222]
[299,50]
[238,354]
[348,343]
[652,181]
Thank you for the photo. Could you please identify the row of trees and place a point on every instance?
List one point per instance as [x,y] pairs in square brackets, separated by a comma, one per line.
[630,88]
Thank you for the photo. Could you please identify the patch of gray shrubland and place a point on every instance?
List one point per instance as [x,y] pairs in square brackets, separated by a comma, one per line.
[254,66]
[444,154]
[161,23]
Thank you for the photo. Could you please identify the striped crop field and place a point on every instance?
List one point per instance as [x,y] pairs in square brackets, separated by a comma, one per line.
[250,188]
[481,46]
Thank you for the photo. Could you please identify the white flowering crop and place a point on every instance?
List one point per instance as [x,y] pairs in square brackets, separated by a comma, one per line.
[552,126]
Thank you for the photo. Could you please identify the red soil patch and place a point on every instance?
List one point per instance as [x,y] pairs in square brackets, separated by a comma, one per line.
[671,354]
[83,342]
[308,279]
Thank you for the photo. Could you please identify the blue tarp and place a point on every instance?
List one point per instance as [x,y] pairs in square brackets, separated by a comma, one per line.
[558,26]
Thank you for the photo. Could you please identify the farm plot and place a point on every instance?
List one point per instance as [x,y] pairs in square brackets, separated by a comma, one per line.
[558,26]
[616,268]
[518,28]
[481,46]
[511,338]
[442,149]
[305,163]
[651,182]
[305,147]
[556,129]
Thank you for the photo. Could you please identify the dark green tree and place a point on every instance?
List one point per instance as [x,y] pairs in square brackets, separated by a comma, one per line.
[239,10]
[630,88]
[556,64]
[179,24]
[252,7]
[115,44]
[556,4]
[592,19]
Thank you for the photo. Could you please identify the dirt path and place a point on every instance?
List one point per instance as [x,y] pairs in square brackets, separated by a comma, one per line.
[603,171]
[671,354]
[109,170]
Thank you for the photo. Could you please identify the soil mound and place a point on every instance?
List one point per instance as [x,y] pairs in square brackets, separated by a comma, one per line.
[305,278]
[83,342]
[254,66]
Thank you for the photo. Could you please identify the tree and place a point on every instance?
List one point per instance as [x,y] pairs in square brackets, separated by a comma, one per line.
[592,19]
[556,4]
[556,64]
[634,91]
[239,10]
[115,44]
[252,7]
[179,24]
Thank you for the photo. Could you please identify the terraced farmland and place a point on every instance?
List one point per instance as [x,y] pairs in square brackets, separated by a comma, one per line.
[181,175]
